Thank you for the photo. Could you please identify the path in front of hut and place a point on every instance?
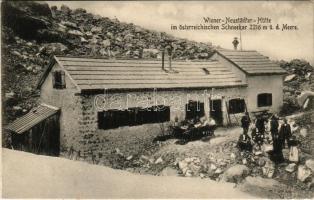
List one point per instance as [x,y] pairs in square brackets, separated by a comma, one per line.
[27,175]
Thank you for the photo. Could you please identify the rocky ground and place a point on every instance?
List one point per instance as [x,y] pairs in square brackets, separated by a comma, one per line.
[219,159]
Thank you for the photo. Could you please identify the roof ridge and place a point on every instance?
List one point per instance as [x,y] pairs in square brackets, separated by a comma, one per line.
[130,59]
[50,106]
[236,50]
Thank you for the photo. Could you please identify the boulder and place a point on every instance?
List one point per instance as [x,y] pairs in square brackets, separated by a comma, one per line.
[17,108]
[291,167]
[25,18]
[235,173]
[303,173]
[16,53]
[290,77]
[69,24]
[79,11]
[159,160]
[129,157]
[9,95]
[269,169]
[303,132]
[182,164]
[310,164]
[106,43]
[96,29]
[218,171]
[213,167]
[65,9]
[75,32]
[168,171]
[262,187]
[55,48]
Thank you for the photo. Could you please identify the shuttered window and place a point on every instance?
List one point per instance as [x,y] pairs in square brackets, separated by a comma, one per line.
[264,99]
[58,79]
[133,117]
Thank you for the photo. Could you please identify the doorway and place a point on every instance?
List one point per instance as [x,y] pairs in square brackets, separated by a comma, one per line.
[216,110]
[194,109]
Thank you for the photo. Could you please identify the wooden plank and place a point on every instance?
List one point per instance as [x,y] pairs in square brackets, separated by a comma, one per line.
[146,73]
[150,81]
[241,54]
[232,56]
[97,60]
[126,69]
[251,60]
[157,65]
[153,77]
[170,86]
[263,69]
[255,63]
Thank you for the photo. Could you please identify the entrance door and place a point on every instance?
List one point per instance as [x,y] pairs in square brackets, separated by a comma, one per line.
[216,110]
[194,109]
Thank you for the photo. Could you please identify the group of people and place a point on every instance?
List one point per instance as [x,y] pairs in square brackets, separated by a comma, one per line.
[195,127]
[280,135]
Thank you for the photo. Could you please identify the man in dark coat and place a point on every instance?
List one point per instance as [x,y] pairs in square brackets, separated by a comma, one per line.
[277,155]
[285,133]
[260,125]
[245,122]
[274,127]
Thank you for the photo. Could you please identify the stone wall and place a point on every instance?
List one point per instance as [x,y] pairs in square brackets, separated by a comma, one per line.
[95,145]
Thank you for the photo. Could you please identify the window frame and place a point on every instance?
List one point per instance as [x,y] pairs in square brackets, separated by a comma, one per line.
[58,79]
[134,116]
[234,109]
[264,100]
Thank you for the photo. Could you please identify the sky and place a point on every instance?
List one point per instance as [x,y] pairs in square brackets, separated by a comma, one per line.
[160,15]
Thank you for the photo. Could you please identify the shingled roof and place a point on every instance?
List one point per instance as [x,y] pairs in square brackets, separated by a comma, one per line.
[90,74]
[251,62]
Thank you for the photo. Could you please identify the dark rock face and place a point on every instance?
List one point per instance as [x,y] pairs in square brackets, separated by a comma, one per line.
[25,18]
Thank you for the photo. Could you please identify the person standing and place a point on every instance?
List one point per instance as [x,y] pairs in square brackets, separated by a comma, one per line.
[245,122]
[260,125]
[277,140]
[235,43]
[293,149]
[274,126]
[285,133]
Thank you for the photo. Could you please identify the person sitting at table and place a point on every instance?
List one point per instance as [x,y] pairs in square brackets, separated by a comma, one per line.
[244,142]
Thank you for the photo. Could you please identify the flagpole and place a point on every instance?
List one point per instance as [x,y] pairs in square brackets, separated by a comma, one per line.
[240,40]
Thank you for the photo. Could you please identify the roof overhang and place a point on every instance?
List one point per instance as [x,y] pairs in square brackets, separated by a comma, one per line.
[32,118]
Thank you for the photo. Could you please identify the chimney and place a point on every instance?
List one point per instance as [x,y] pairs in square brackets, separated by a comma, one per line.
[163,60]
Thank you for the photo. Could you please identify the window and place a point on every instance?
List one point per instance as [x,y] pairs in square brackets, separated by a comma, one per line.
[236,106]
[264,99]
[133,116]
[194,109]
[58,79]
